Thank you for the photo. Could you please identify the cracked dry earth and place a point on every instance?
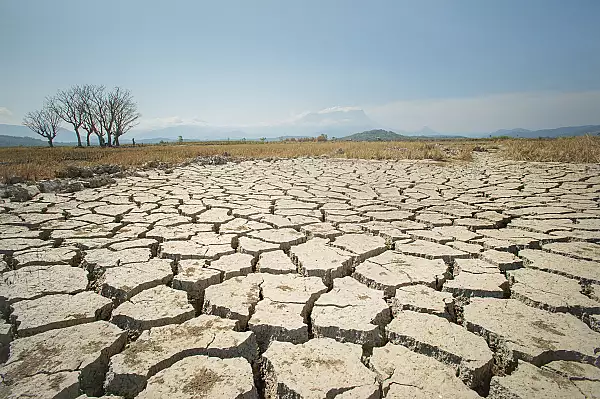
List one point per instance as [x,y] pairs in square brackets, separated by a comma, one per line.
[307,278]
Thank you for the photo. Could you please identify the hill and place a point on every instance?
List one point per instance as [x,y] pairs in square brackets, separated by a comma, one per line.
[13,141]
[558,132]
[375,135]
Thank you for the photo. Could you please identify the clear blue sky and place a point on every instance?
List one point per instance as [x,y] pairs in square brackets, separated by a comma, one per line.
[245,62]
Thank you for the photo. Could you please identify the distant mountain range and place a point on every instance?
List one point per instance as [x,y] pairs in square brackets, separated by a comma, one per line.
[12,141]
[558,132]
[336,122]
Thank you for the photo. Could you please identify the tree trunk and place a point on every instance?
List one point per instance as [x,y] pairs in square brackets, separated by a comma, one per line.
[50,143]
[100,140]
[109,139]
[88,138]
[78,137]
[116,140]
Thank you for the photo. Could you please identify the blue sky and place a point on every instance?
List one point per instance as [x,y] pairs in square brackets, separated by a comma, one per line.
[465,65]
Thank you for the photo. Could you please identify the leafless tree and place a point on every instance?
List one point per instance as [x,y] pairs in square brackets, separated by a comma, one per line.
[69,106]
[125,113]
[44,122]
[91,123]
[108,115]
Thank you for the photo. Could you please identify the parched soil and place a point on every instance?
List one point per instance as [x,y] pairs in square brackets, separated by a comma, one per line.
[310,278]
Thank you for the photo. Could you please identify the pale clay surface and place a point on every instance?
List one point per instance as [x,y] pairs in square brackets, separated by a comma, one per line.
[308,278]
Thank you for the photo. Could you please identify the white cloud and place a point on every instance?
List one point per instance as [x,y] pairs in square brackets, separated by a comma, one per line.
[6,115]
[338,108]
[534,110]
[159,123]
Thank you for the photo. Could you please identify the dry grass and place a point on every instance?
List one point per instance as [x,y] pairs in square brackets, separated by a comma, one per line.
[43,163]
[581,149]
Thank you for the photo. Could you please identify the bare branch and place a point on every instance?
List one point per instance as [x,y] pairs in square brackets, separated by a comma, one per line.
[68,105]
[44,122]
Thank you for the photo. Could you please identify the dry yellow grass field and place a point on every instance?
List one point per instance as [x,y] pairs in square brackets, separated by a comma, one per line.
[32,163]
[581,149]
[43,163]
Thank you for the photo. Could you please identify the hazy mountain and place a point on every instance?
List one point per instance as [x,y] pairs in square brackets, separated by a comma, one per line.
[558,132]
[63,135]
[425,131]
[335,122]
[510,132]
[13,141]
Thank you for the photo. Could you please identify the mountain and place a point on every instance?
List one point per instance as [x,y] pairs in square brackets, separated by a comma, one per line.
[375,135]
[63,135]
[13,141]
[334,122]
[425,131]
[558,132]
[510,132]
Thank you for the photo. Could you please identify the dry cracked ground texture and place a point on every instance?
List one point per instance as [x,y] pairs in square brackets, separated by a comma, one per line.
[307,278]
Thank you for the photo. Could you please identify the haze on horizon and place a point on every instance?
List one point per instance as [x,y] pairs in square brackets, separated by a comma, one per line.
[463,66]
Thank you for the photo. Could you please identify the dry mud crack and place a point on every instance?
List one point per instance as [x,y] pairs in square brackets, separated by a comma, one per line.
[307,278]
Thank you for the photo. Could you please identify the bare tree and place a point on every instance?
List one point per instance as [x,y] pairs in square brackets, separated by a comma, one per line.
[125,111]
[44,122]
[91,123]
[69,106]
[108,115]
[104,109]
